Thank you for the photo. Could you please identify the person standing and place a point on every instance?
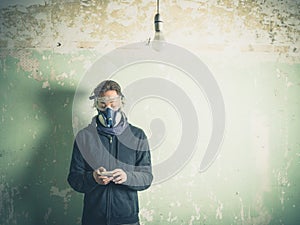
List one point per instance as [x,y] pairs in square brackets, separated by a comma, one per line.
[111,162]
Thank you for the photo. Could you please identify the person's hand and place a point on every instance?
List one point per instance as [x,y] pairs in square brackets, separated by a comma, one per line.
[103,180]
[119,176]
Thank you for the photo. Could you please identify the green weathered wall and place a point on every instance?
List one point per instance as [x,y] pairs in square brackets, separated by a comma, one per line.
[251,47]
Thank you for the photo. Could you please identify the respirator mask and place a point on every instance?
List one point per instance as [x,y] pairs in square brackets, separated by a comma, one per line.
[109,110]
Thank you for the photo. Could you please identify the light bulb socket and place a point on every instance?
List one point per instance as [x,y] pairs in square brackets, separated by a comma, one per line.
[158,23]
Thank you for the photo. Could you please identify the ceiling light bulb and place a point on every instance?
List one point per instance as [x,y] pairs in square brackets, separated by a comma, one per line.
[158,41]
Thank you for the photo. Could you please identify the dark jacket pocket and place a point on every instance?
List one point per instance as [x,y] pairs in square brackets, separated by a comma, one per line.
[124,202]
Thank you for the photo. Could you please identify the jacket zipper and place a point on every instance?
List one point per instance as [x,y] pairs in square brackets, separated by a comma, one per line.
[109,188]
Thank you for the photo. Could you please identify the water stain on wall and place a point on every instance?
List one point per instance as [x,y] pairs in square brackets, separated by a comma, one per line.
[45,48]
[267,25]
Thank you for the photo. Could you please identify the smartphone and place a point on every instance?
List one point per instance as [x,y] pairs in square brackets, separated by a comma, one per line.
[107,173]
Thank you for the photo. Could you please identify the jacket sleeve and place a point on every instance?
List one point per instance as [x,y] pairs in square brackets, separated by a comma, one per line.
[141,177]
[80,175]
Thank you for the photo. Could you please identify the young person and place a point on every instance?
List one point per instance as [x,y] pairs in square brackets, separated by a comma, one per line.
[110,162]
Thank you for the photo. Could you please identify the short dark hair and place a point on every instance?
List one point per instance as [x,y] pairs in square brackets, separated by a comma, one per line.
[104,86]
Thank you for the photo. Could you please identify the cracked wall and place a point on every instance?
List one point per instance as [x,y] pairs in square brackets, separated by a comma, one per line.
[251,47]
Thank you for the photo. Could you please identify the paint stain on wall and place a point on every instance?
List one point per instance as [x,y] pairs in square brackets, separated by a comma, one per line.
[45,50]
[269,25]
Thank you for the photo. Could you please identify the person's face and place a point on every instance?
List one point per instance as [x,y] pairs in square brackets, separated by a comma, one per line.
[109,99]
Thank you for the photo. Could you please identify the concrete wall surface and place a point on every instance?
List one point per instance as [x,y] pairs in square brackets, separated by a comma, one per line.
[48,49]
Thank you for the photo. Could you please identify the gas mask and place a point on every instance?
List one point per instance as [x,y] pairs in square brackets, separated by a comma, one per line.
[109,117]
[109,110]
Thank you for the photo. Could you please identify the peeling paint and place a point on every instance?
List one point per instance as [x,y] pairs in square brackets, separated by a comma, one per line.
[250,24]
[252,47]
[7,205]
[65,194]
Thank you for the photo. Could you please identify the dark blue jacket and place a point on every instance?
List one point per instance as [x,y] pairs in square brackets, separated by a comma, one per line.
[110,204]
